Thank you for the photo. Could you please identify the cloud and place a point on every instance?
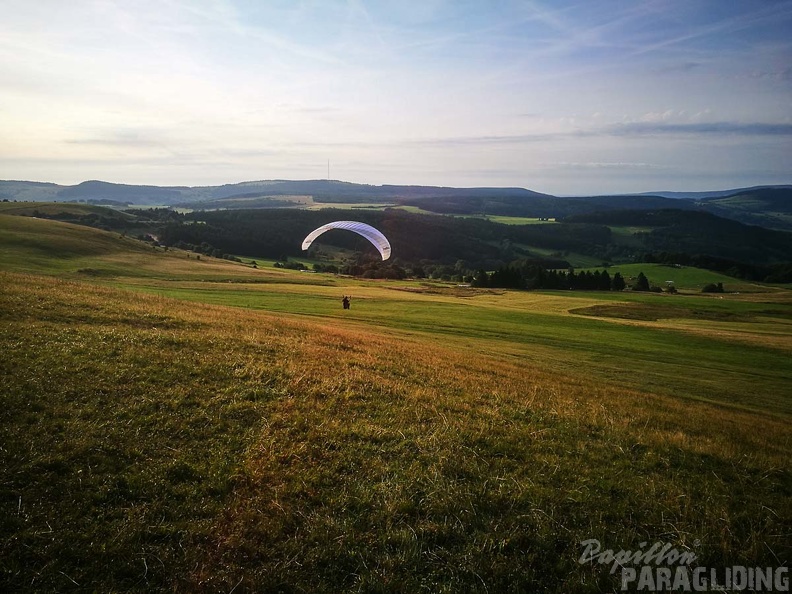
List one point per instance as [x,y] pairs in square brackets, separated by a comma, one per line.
[698,129]
[658,127]
[120,139]
[677,68]
[766,14]
[452,141]
[615,165]
[780,74]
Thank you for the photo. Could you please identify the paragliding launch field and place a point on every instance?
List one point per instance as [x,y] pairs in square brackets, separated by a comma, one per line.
[171,423]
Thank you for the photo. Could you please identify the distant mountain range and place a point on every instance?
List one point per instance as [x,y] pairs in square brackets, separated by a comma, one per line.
[767,206]
[320,190]
[714,194]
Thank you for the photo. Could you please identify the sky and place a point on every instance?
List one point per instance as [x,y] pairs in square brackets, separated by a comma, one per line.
[563,97]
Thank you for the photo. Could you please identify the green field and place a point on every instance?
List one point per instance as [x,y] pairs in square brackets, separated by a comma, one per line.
[349,205]
[170,423]
[685,278]
[519,220]
[574,259]
[57,208]
[505,220]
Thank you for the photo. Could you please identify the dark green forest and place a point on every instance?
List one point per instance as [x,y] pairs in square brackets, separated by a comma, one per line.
[699,233]
[415,238]
[541,206]
[446,246]
[469,245]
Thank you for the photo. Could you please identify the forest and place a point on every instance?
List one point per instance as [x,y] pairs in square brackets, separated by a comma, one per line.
[415,238]
[462,246]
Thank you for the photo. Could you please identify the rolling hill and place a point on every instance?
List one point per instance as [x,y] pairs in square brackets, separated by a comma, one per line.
[767,206]
[692,232]
[712,194]
[458,246]
[320,190]
[175,424]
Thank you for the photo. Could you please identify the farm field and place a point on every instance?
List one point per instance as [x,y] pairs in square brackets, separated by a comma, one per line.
[519,220]
[170,423]
[50,208]
[685,278]
[349,205]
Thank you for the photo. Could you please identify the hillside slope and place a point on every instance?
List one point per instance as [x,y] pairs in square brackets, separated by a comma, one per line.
[766,207]
[421,440]
[691,232]
[33,245]
[29,243]
[320,190]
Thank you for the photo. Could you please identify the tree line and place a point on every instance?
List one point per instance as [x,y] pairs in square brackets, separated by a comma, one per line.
[531,276]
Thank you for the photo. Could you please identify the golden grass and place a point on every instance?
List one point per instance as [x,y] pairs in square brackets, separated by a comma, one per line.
[361,457]
[772,333]
[323,362]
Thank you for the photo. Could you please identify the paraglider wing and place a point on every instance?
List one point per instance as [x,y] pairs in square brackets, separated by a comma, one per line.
[373,235]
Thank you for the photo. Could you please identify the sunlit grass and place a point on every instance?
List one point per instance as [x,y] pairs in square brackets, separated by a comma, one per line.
[149,444]
[54,208]
[202,426]
[685,278]
[349,205]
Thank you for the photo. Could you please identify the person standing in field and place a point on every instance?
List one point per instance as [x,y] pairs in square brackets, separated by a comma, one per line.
[345,301]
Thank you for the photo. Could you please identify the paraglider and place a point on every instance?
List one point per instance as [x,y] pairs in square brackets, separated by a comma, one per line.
[373,235]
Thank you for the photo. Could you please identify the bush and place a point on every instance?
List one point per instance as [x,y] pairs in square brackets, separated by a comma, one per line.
[713,288]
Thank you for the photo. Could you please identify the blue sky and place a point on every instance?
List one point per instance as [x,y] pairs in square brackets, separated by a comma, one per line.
[559,97]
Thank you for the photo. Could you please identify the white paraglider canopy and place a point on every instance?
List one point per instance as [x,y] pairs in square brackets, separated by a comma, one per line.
[373,235]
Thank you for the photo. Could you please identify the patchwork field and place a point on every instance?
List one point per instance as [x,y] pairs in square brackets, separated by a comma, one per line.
[169,423]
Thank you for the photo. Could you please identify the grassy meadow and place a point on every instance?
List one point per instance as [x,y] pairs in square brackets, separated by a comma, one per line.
[176,424]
